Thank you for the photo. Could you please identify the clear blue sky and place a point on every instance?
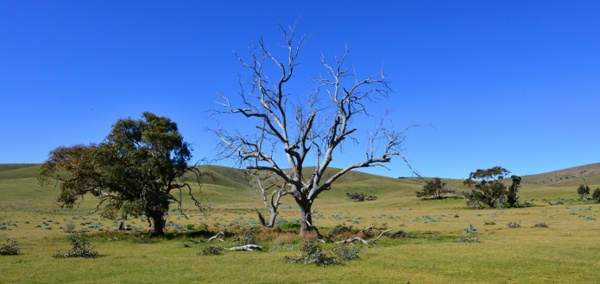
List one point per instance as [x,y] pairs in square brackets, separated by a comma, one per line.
[509,83]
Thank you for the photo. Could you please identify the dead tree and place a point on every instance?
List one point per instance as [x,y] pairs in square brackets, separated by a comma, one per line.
[291,131]
[271,201]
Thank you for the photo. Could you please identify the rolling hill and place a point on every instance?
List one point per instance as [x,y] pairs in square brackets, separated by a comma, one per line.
[238,178]
[567,177]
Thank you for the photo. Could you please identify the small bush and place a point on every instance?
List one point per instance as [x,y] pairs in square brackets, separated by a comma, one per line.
[246,238]
[513,224]
[80,248]
[10,247]
[211,250]
[540,225]
[359,196]
[346,253]
[398,234]
[70,227]
[313,254]
[470,235]
[341,230]
[489,223]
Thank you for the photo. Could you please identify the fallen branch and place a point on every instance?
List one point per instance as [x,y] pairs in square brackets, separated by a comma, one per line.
[250,247]
[366,242]
[216,237]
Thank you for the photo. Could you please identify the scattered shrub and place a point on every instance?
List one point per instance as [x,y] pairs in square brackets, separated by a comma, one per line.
[489,223]
[80,248]
[540,225]
[513,224]
[346,253]
[340,230]
[211,250]
[470,235]
[245,238]
[359,196]
[70,227]
[398,234]
[10,247]
[313,254]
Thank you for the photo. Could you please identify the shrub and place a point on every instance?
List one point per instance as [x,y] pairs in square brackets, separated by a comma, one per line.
[211,250]
[80,248]
[359,196]
[346,253]
[70,227]
[513,224]
[540,225]
[596,194]
[340,230]
[313,254]
[246,238]
[470,235]
[10,247]
[398,234]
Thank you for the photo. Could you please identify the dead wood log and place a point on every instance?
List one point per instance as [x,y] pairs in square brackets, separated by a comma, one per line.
[250,247]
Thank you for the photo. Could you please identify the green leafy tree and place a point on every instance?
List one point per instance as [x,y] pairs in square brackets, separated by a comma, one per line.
[513,189]
[488,188]
[596,194]
[434,188]
[135,171]
[584,191]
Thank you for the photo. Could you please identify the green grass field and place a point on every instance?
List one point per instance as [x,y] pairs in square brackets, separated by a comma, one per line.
[566,251]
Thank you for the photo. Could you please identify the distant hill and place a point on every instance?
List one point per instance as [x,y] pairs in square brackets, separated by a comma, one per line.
[567,177]
[242,179]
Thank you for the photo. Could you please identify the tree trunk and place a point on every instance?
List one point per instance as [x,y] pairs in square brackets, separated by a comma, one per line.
[306,224]
[158,221]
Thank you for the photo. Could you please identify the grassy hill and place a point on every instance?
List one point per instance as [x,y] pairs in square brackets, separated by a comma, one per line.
[567,177]
[433,251]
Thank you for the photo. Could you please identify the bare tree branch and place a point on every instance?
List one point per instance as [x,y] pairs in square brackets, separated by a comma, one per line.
[318,128]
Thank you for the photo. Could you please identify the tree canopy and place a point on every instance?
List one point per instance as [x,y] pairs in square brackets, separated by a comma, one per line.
[434,188]
[134,171]
[488,188]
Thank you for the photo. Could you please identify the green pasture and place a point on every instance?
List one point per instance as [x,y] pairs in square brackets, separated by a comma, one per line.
[566,251]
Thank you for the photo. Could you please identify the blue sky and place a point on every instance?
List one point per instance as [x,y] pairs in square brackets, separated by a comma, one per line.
[509,83]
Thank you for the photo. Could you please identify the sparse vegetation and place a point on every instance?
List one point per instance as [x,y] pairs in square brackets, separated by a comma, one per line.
[469,235]
[211,250]
[359,196]
[513,224]
[80,248]
[313,253]
[9,247]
